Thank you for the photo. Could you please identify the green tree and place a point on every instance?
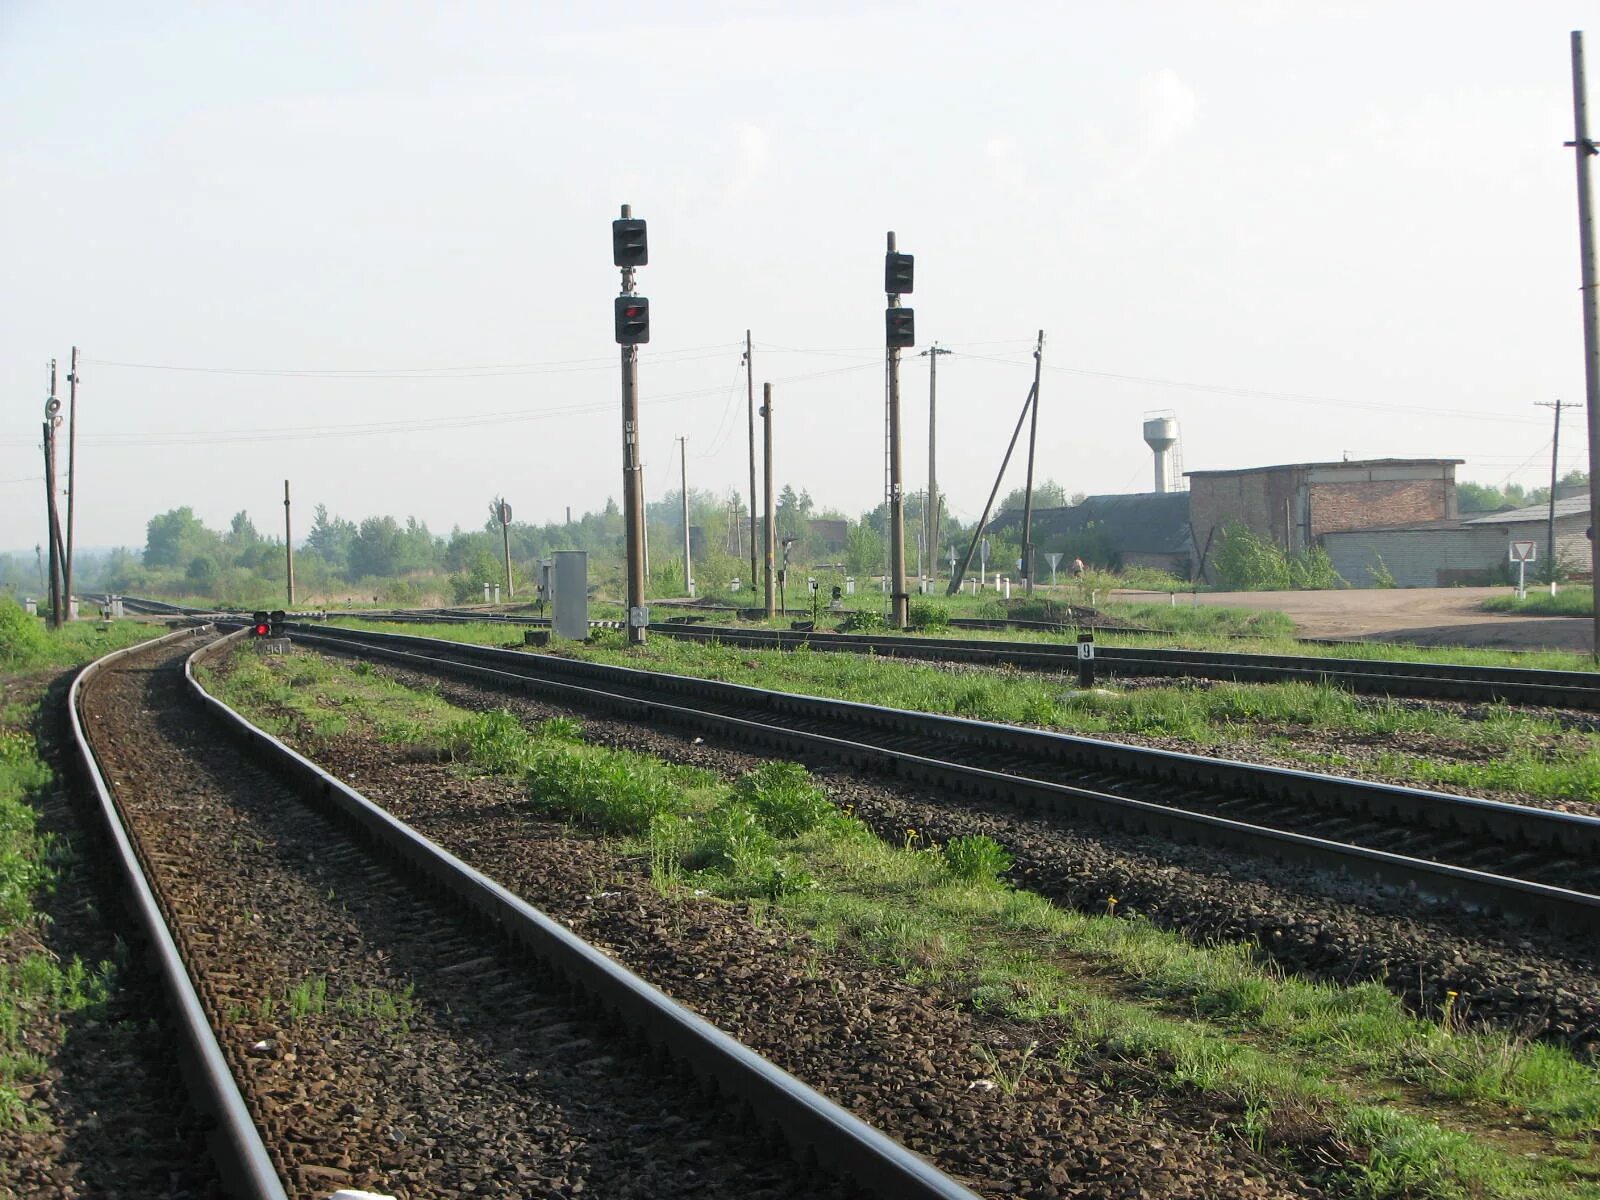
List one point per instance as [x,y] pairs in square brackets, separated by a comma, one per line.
[332,539]
[175,537]
[1048,494]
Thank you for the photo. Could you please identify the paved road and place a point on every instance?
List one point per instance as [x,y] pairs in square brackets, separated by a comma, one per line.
[1425,616]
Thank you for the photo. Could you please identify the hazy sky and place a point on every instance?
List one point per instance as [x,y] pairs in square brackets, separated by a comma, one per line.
[367,245]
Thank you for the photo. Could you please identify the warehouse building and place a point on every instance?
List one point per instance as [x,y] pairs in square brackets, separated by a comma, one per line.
[1468,551]
[1138,529]
[1296,505]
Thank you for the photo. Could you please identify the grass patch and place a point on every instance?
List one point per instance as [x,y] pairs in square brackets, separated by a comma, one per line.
[35,987]
[1574,601]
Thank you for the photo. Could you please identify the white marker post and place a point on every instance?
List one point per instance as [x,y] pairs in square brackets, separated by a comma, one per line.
[1523,553]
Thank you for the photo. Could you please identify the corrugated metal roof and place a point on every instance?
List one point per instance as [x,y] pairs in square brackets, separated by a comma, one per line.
[1572,506]
[1133,523]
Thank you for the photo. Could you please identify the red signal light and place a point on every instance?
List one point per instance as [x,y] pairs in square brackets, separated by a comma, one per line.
[261,631]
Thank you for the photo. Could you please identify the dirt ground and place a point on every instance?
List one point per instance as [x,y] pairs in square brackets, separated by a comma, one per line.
[1423,616]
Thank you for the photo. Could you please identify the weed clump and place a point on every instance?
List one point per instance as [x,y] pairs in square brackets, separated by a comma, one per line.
[926,615]
[976,859]
[863,622]
[782,797]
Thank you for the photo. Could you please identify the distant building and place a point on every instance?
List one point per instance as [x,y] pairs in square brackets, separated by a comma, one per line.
[828,535]
[1466,551]
[1141,529]
[1295,505]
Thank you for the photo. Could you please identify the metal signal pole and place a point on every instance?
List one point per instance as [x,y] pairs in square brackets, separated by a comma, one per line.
[1027,499]
[899,599]
[930,516]
[632,474]
[750,396]
[72,470]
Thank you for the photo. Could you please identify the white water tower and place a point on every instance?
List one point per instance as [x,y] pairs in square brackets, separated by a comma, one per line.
[1161,435]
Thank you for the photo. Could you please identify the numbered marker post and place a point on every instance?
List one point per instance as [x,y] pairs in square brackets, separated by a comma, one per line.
[1086,660]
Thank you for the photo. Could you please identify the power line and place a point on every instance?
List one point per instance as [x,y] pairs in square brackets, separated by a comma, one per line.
[491,370]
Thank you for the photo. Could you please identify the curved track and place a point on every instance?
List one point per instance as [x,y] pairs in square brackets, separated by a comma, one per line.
[252,867]
[1529,864]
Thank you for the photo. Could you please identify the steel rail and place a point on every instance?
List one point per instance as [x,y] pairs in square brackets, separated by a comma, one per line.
[1520,685]
[812,1125]
[1558,907]
[242,1158]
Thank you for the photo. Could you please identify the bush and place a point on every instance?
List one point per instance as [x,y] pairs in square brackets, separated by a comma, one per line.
[1246,563]
[1382,577]
[783,798]
[977,859]
[23,641]
[863,622]
[925,614]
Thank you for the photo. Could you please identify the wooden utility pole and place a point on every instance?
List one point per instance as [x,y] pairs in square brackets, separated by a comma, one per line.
[1555,451]
[288,546]
[930,504]
[770,518]
[683,485]
[1027,498]
[72,471]
[750,396]
[1584,148]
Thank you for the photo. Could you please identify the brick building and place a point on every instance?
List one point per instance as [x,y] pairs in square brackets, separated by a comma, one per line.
[1294,505]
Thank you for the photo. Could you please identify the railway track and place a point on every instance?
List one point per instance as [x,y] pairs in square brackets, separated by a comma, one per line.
[1527,864]
[362,1009]
[1474,684]
[1513,685]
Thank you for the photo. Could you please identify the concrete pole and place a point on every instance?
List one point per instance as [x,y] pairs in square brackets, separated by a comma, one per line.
[770,516]
[1027,495]
[72,471]
[505,545]
[683,484]
[750,397]
[931,503]
[288,543]
[1585,149]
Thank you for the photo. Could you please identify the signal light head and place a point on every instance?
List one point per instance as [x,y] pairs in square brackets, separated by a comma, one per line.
[897,273]
[899,327]
[629,247]
[258,622]
[632,314]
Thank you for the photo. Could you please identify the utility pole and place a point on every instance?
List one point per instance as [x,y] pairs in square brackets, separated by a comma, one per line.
[1555,450]
[633,328]
[288,545]
[52,420]
[1027,498]
[683,484]
[770,518]
[898,597]
[72,470]
[502,510]
[930,516]
[1584,148]
[750,396]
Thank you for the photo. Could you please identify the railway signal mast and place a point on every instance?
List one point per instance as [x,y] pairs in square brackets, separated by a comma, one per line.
[899,330]
[629,250]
